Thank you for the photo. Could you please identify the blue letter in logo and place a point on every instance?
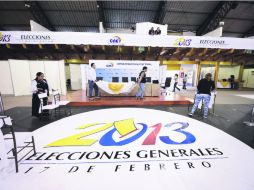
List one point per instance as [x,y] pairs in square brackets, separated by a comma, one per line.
[189,137]
[107,139]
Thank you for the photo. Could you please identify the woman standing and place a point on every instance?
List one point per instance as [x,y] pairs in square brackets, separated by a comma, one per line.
[205,86]
[39,85]
[141,83]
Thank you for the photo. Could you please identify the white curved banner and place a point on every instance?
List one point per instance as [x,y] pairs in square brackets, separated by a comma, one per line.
[115,87]
[86,38]
[130,148]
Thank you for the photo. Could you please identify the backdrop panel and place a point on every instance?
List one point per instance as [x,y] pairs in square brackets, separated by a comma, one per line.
[36,66]
[5,78]
[119,70]
[75,77]
[20,73]
[62,77]
[16,75]
[52,74]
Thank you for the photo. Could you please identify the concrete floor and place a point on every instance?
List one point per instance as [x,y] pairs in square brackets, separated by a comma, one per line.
[223,97]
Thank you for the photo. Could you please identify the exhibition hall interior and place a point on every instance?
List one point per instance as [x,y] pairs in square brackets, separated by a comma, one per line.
[126,95]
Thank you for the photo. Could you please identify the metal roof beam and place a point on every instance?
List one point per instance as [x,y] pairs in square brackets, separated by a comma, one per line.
[249,32]
[161,12]
[214,18]
[38,14]
[101,12]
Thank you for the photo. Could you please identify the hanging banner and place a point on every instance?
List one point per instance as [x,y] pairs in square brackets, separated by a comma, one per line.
[86,38]
[125,70]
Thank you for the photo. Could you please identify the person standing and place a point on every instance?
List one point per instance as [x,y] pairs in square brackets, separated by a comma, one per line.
[205,86]
[92,82]
[141,83]
[184,81]
[157,31]
[151,31]
[175,82]
[232,81]
[39,85]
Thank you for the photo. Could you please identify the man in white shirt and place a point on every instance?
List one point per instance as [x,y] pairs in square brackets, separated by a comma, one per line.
[175,84]
[92,82]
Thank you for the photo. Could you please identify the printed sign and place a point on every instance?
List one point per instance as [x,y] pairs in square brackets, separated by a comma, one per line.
[131,148]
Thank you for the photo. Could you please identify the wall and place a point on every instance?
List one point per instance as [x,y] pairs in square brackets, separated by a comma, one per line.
[67,72]
[16,75]
[75,73]
[21,78]
[144,27]
[120,31]
[6,86]
[190,68]
[248,78]
[226,71]
[207,69]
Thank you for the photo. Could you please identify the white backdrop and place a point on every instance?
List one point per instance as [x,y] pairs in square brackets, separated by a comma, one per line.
[144,27]
[125,68]
[16,75]
[20,73]
[75,74]
[5,78]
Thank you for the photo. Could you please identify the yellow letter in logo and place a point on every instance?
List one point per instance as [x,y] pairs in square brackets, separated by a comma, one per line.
[77,140]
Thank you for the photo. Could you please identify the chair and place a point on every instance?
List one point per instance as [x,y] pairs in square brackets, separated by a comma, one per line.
[15,148]
[61,103]
[46,110]
[115,79]
[251,122]
[125,79]
[166,86]
[201,109]
[133,79]
[99,78]
[1,105]
[148,79]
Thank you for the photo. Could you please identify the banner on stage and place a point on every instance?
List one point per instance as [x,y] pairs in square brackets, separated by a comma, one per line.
[125,70]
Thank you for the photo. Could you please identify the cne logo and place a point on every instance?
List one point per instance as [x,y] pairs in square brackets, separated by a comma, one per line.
[115,40]
[110,65]
[5,37]
[182,42]
[124,132]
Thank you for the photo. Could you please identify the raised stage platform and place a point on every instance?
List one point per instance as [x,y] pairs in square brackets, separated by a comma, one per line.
[79,98]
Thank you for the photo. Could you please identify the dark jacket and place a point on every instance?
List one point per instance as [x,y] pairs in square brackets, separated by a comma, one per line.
[205,86]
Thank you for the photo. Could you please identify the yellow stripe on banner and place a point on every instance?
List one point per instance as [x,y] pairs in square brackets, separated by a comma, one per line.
[178,62]
[208,62]
[173,67]
[75,61]
[225,63]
